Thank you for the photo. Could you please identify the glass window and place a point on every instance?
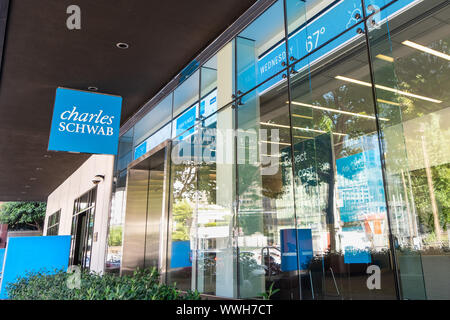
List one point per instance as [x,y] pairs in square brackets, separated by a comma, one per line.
[208,88]
[83,229]
[181,247]
[339,186]
[261,50]
[411,61]
[53,224]
[215,255]
[116,221]
[125,154]
[311,24]
[217,81]
[201,248]
[154,140]
[267,255]
[186,94]
[153,120]
[185,122]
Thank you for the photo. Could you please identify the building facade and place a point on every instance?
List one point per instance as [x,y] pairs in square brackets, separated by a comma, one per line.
[308,153]
[80,207]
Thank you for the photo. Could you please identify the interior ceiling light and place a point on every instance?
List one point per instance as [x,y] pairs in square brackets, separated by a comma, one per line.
[385,58]
[47,156]
[122,45]
[336,111]
[271,155]
[298,128]
[426,49]
[301,116]
[33,179]
[389,102]
[366,84]
[276,142]
[93,88]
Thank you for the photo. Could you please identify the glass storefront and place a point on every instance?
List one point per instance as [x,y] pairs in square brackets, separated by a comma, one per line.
[309,156]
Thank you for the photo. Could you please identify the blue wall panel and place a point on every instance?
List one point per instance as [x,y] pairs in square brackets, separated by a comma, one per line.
[181,254]
[27,254]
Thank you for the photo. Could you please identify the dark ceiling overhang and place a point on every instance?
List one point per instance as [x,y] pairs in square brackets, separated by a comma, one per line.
[40,54]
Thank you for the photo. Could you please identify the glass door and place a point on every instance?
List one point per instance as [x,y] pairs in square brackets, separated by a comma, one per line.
[266,228]
[410,55]
[341,212]
[83,229]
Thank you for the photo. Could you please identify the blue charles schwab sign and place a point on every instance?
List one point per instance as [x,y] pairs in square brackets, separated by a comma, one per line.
[85,122]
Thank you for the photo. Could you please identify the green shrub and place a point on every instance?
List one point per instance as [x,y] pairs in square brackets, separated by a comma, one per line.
[142,285]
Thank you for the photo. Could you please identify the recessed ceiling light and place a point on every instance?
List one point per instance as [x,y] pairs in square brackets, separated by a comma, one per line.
[27,186]
[122,45]
[47,156]
[38,169]
[33,179]
[93,88]
[23,192]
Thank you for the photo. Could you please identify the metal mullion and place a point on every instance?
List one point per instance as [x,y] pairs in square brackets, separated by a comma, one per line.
[234,107]
[146,214]
[197,165]
[291,139]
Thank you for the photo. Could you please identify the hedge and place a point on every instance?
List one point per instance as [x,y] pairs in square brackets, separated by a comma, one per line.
[142,285]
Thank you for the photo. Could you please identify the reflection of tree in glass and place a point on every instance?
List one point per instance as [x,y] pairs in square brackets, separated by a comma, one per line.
[348,98]
[441,182]
[429,76]
[207,181]
[184,180]
[182,217]
[424,74]
[115,236]
[183,191]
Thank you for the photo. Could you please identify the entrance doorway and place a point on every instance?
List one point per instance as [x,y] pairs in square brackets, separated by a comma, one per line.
[145,233]
[82,229]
